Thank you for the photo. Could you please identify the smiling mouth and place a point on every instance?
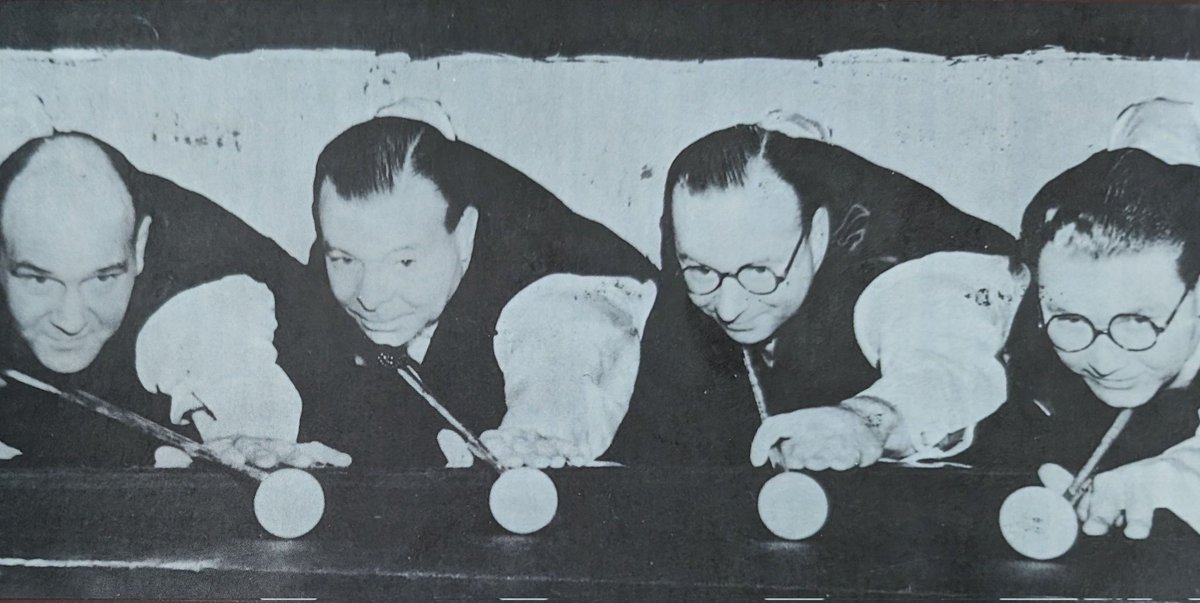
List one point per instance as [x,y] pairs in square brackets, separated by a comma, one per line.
[376,325]
[1113,384]
[67,345]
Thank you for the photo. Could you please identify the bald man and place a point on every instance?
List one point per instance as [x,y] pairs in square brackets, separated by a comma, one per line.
[124,285]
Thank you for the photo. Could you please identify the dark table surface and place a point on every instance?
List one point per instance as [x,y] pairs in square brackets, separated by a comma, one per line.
[892,533]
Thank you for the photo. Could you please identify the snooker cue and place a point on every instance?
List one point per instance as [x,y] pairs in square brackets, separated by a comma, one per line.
[760,401]
[137,423]
[473,442]
[1077,488]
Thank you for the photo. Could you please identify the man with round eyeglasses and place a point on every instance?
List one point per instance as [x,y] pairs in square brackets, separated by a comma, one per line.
[1130,332]
[1114,248]
[758,280]
[816,310]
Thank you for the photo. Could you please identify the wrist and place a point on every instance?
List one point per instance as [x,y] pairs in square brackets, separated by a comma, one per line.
[1160,476]
[882,419]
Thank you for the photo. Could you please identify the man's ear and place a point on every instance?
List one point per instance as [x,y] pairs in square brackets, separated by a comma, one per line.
[464,235]
[818,239]
[139,244]
[1195,291]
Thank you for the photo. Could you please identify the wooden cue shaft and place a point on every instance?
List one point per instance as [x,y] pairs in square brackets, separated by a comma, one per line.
[775,454]
[1074,492]
[473,442]
[136,422]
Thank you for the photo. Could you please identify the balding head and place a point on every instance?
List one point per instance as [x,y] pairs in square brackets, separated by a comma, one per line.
[68,186]
[71,245]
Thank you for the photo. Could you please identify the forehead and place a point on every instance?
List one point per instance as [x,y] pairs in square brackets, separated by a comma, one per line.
[412,212]
[67,208]
[758,220]
[1134,281]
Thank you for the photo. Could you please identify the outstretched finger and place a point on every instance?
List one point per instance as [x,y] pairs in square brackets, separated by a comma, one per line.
[322,455]
[1055,477]
[1102,514]
[1139,517]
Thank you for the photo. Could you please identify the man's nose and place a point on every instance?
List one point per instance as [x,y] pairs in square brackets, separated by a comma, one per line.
[375,288]
[1105,357]
[71,315]
[731,301]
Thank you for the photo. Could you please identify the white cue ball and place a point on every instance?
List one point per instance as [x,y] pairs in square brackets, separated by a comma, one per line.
[523,500]
[793,505]
[1038,523]
[289,503]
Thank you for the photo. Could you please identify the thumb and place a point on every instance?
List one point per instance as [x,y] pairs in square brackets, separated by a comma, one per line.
[455,449]
[7,453]
[169,457]
[765,439]
[1054,477]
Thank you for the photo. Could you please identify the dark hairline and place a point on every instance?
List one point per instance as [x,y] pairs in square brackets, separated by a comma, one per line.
[421,142]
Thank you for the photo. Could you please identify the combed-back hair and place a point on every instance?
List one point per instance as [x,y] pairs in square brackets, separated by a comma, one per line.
[369,158]
[719,160]
[1118,202]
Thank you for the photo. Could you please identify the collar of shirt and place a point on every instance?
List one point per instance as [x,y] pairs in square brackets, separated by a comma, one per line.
[419,345]
[767,352]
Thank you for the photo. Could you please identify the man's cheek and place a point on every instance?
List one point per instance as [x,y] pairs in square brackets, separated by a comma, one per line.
[25,310]
[1071,361]
[111,309]
[342,286]
[703,302]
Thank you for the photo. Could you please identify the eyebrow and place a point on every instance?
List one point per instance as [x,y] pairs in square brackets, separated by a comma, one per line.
[332,249]
[29,267]
[400,249]
[1054,309]
[114,267]
[765,263]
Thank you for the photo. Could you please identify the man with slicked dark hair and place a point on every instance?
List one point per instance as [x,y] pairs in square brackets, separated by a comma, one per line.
[521,318]
[815,309]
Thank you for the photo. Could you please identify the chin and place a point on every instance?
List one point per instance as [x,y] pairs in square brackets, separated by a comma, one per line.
[1124,398]
[393,339]
[397,336]
[66,364]
[751,337]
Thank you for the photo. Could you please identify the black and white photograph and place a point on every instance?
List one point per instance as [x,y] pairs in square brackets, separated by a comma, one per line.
[587,300]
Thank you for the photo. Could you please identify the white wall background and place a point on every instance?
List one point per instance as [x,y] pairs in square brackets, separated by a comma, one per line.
[246,129]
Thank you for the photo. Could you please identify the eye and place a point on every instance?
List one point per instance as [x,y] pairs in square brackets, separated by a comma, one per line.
[758,270]
[338,259]
[36,279]
[406,263]
[104,278]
